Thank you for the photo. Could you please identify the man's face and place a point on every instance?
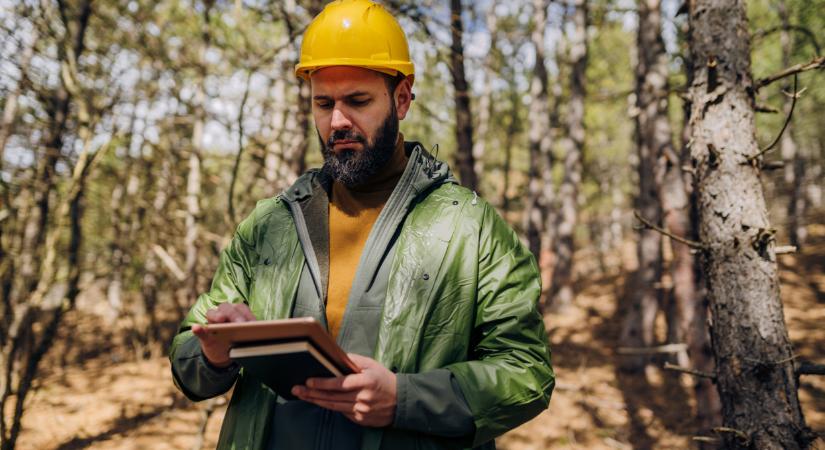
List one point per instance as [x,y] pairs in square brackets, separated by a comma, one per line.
[357,121]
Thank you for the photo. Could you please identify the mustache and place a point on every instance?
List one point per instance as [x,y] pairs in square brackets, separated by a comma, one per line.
[345,135]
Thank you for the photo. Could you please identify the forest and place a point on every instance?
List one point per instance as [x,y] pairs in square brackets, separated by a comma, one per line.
[662,159]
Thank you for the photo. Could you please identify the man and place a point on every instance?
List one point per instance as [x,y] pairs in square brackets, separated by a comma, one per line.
[419,280]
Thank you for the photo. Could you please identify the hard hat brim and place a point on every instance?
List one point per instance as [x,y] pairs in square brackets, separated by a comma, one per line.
[304,70]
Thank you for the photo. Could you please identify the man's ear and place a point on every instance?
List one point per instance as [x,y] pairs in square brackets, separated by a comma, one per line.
[403,96]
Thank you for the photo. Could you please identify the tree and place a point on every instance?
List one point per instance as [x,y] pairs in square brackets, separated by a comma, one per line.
[755,365]
[465,161]
[653,143]
[561,287]
[535,211]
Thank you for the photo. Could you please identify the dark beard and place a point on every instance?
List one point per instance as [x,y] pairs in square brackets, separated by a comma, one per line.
[355,168]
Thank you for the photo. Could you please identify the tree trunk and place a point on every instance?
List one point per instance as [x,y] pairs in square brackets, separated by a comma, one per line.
[485,102]
[653,141]
[791,153]
[10,106]
[461,94]
[561,287]
[193,192]
[513,127]
[538,136]
[754,359]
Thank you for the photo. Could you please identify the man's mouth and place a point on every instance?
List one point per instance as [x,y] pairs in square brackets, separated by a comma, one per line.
[345,143]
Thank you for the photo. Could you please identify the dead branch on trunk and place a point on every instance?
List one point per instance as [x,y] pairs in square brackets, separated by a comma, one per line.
[816,63]
[738,433]
[669,348]
[784,249]
[795,95]
[765,109]
[695,373]
[649,224]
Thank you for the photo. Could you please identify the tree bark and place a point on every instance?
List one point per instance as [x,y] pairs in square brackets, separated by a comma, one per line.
[561,287]
[687,315]
[465,163]
[653,141]
[754,359]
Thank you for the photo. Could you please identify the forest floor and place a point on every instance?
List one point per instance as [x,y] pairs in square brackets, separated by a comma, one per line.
[95,395]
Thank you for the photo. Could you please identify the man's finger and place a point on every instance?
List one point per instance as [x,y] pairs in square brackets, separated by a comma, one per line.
[346,383]
[246,312]
[330,396]
[215,316]
[362,362]
[231,312]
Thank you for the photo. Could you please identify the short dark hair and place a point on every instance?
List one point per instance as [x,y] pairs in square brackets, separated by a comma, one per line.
[392,82]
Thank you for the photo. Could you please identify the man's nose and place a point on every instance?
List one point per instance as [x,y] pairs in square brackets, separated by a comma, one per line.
[340,121]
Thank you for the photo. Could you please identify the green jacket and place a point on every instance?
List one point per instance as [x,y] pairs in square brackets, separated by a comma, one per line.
[457,308]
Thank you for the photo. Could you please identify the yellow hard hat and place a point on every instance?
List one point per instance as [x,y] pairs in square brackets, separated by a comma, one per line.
[357,33]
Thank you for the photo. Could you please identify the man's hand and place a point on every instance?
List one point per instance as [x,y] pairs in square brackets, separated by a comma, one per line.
[217,351]
[367,398]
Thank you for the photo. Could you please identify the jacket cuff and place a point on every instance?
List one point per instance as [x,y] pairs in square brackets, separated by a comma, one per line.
[232,368]
[432,403]
[196,377]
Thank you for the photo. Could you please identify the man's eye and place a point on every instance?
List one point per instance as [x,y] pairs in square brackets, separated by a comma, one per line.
[355,102]
[324,105]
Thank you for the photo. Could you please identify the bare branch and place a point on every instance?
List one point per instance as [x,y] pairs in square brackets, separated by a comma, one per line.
[740,434]
[688,242]
[816,63]
[696,373]
[808,33]
[669,348]
[784,249]
[794,96]
[230,217]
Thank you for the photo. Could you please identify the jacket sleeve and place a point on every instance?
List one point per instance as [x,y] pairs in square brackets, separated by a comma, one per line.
[192,374]
[508,379]
[432,403]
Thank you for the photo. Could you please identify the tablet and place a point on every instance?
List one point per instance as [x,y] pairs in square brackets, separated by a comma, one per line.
[258,332]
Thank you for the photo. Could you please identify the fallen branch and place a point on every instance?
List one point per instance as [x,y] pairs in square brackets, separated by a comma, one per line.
[696,373]
[688,242]
[809,368]
[705,439]
[794,96]
[816,63]
[669,348]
